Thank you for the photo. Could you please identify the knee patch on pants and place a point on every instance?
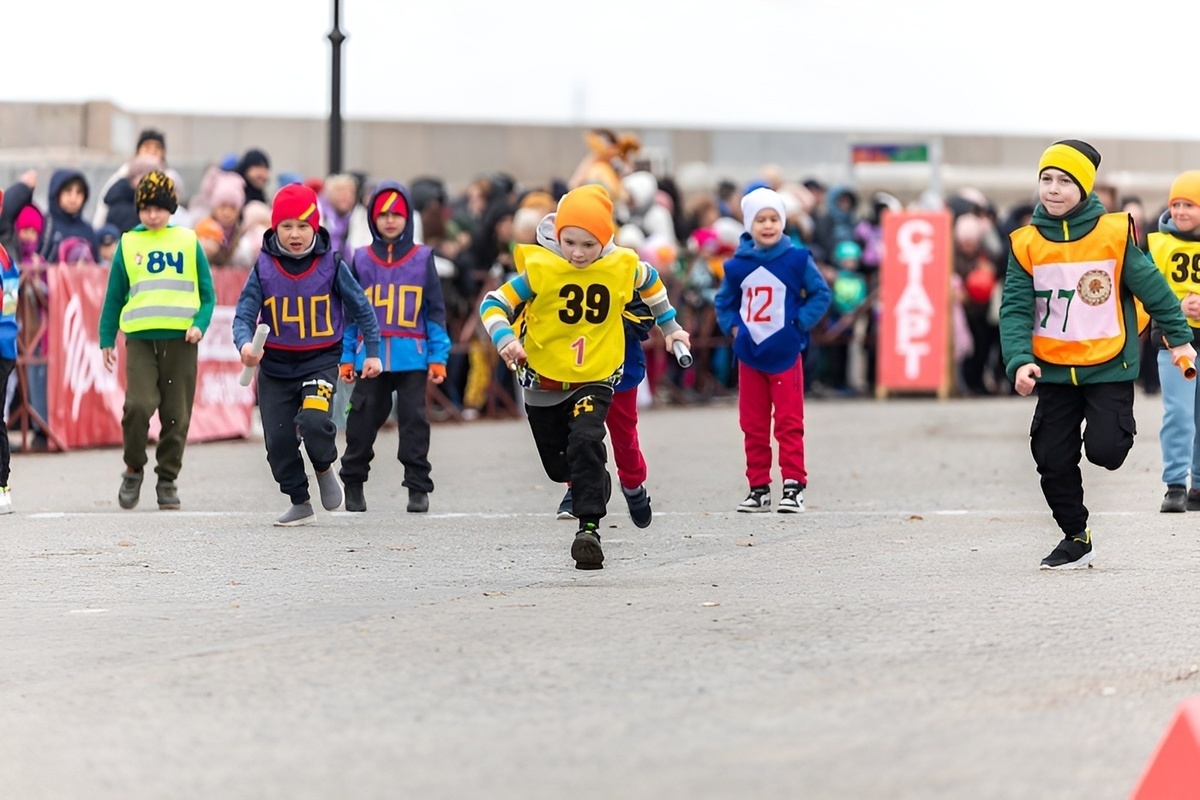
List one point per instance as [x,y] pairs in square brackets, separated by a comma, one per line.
[315,406]
[1110,448]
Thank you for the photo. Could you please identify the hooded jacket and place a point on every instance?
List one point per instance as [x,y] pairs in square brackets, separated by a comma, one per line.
[1139,278]
[402,353]
[61,225]
[777,333]
[10,277]
[297,364]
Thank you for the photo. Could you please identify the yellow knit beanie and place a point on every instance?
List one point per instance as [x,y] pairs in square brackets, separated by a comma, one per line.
[1074,157]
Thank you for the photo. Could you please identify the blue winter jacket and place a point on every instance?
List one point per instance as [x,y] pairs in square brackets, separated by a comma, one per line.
[402,353]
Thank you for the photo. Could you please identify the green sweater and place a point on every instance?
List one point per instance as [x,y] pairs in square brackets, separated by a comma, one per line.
[117,295]
[1139,278]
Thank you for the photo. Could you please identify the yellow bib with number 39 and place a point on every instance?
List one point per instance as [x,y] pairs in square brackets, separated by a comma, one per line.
[1179,262]
[574,331]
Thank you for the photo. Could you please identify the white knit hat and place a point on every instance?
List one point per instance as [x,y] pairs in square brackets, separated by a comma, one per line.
[759,199]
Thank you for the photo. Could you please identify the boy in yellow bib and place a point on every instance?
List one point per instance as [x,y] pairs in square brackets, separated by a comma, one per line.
[160,294]
[1175,248]
[1068,327]
[571,345]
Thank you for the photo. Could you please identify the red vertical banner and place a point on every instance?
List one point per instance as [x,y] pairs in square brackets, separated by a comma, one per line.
[86,401]
[914,292]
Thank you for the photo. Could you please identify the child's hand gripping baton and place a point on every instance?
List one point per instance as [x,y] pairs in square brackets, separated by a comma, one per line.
[682,354]
[1185,364]
[1186,367]
[260,338]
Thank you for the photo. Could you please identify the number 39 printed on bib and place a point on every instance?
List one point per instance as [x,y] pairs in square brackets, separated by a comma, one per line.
[763,303]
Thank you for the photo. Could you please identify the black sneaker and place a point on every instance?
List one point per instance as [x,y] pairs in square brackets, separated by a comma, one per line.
[1175,500]
[1072,553]
[564,508]
[418,501]
[639,506]
[355,501]
[586,548]
[131,488]
[168,496]
[1193,501]
[792,501]
[758,500]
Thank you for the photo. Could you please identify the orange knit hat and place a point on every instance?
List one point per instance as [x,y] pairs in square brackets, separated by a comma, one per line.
[588,207]
[1186,187]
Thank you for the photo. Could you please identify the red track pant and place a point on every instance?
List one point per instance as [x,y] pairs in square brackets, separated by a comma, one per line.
[622,432]
[762,395]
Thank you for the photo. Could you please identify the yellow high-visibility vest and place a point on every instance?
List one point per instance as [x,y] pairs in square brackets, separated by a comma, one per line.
[164,293]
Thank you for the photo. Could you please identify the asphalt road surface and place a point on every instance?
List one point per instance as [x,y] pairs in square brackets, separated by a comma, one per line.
[895,641]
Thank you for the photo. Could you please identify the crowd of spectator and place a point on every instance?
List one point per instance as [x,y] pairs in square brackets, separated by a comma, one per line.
[685,230]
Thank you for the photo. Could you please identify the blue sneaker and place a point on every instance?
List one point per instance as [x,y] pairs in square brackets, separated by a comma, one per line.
[639,506]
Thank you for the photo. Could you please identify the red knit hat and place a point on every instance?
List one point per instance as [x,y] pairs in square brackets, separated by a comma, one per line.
[295,201]
[389,200]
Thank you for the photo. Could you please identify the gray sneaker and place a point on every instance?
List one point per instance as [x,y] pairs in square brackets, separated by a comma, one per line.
[168,495]
[131,488]
[299,514]
[331,490]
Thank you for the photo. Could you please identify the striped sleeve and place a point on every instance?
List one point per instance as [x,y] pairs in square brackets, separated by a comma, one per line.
[651,287]
[498,307]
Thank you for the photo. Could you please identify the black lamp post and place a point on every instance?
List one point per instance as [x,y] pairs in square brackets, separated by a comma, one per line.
[336,37]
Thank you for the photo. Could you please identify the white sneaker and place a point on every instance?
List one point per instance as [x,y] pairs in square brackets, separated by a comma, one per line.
[758,501]
[792,501]
[5,500]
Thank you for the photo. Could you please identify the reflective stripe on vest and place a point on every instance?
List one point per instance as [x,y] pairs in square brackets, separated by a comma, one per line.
[1078,316]
[1179,262]
[163,279]
[574,331]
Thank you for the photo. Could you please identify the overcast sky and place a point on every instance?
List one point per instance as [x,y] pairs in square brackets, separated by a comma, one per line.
[1065,68]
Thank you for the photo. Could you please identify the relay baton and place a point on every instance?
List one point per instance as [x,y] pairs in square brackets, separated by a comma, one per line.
[260,337]
[684,356]
[1185,364]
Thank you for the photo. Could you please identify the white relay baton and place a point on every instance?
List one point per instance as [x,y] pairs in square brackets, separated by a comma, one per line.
[682,354]
[260,338]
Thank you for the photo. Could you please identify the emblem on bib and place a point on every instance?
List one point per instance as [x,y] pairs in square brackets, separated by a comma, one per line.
[1094,287]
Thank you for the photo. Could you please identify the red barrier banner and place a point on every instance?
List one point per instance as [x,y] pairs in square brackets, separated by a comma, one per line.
[914,290]
[85,400]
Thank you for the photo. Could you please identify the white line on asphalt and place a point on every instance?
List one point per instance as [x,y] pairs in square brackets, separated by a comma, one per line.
[887,512]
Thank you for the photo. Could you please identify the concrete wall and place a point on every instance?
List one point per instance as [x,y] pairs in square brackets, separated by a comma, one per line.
[98,136]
